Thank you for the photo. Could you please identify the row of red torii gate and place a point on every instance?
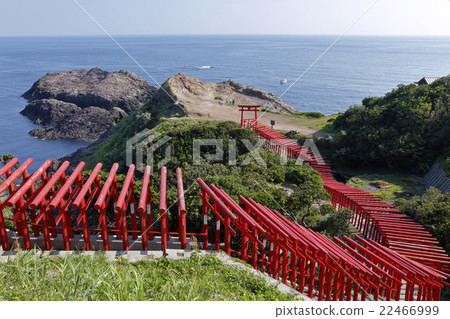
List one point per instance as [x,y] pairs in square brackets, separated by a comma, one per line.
[393,258]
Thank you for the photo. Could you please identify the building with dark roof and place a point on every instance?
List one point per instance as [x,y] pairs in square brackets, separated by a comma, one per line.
[427,80]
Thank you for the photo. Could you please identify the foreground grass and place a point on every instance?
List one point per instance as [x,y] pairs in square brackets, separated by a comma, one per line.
[95,278]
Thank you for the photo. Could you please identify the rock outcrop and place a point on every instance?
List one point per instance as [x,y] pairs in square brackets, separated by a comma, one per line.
[191,90]
[83,104]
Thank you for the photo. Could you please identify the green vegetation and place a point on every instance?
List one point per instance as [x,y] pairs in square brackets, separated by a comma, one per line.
[304,197]
[269,111]
[432,210]
[314,120]
[408,128]
[387,184]
[150,115]
[299,137]
[311,115]
[94,278]
[5,158]
[444,163]
[240,176]
[338,223]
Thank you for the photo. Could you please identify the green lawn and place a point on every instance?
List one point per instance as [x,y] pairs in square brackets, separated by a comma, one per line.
[394,184]
[95,278]
[322,123]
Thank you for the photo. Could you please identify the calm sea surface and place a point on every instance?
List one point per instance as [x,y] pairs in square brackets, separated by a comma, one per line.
[352,69]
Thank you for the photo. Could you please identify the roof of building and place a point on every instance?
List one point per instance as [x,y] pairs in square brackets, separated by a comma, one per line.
[428,79]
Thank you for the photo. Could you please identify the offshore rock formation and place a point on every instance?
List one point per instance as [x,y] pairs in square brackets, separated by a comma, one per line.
[83,104]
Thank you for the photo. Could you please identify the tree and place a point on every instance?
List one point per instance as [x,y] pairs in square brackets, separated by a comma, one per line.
[4,159]
[300,202]
[408,128]
[338,223]
[432,210]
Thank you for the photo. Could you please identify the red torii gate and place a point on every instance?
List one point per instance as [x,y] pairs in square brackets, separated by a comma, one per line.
[376,219]
[348,269]
[248,108]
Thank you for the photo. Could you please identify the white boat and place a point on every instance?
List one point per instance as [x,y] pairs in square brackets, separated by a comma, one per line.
[283,81]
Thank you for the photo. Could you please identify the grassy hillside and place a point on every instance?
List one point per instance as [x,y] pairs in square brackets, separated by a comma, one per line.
[95,278]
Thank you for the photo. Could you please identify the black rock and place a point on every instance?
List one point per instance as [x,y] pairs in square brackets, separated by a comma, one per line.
[83,104]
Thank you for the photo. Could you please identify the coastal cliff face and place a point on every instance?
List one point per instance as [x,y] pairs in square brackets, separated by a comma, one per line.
[83,104]
[193,94]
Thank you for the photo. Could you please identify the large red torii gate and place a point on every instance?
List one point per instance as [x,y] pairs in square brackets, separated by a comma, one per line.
[248,108]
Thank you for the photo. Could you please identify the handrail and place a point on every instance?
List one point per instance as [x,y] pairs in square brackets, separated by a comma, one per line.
[256,210]
[237,208]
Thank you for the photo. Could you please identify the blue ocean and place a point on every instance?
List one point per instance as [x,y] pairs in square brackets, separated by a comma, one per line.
[355,67]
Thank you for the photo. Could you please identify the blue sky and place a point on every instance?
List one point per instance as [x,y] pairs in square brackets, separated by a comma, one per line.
[64,17]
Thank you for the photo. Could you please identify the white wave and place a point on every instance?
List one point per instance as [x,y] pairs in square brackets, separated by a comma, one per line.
[204,67]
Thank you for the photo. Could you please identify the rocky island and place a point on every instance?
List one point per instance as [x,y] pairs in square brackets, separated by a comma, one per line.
[83,104]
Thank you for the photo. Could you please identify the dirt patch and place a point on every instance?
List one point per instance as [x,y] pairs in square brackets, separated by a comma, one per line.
[212,110]
[218,101]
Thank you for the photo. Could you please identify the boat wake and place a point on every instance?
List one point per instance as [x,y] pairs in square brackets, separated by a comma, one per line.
[203,67]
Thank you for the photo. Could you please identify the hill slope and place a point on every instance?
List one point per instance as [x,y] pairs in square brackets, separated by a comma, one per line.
[408,128]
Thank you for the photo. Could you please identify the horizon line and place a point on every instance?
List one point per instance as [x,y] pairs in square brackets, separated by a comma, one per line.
[225,34]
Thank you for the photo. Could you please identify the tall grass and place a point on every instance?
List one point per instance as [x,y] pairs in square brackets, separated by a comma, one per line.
[94,278]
